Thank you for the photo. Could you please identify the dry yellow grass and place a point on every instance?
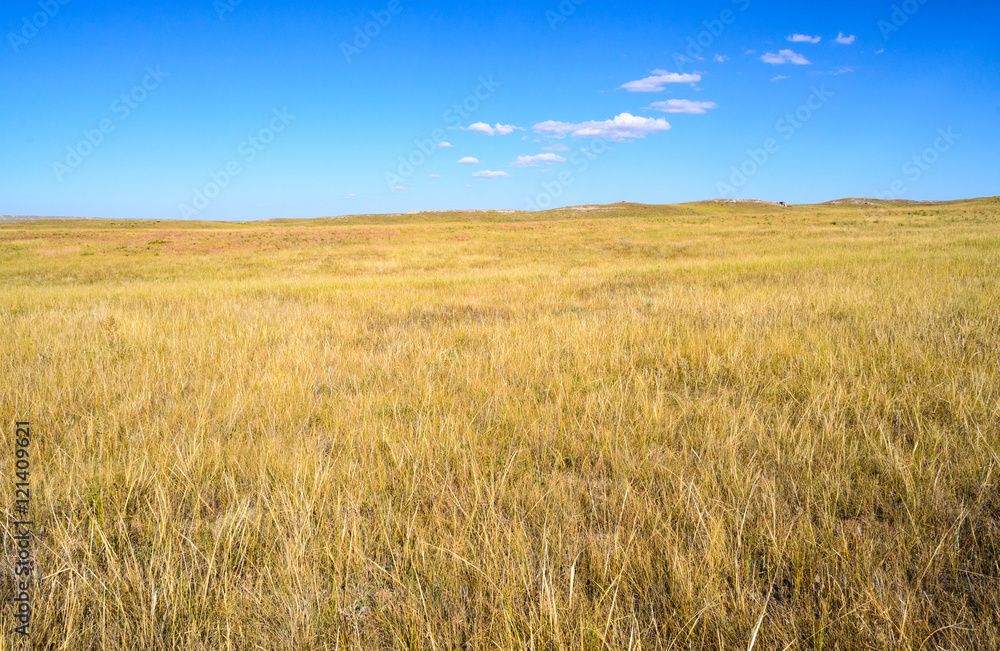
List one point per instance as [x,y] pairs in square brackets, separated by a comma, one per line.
[694,427]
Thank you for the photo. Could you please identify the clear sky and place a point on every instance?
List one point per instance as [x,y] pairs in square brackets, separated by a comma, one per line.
[255,109]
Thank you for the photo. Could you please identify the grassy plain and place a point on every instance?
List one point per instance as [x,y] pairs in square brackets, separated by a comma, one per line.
[691,427]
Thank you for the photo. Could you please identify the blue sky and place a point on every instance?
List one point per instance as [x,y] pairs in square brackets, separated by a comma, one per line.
[255,109]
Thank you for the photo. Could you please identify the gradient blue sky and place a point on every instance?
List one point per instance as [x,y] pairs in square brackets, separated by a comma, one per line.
[888,97]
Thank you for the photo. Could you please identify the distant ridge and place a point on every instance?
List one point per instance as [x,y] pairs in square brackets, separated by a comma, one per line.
[854,201]
[848,202]
[12,219]
[757,202]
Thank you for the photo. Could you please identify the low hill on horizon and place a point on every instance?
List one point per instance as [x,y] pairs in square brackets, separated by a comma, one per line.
[715,204]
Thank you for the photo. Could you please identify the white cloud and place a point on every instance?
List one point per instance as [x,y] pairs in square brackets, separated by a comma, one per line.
[487,174]
[486,130]
[785,56]
[720,58]
[433,176]
[443,145]
[688,106]
[535,161]
[468,160]
[399,188]
[556,147]
[804,38]
[779,78]
[843,39]
[350,196]
[623,126]
[659,80]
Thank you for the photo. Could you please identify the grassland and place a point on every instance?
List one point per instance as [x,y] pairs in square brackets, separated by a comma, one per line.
[691,427]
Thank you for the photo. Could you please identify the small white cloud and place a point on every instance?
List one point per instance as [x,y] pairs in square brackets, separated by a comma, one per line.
[659,81]
[535,161]
[556,147]
[488,174]
[621,127]
[486,130]
[843,39]
[399,188]
[804,38]
[688,106]
[468,160]
[350,196]
[785,56]
[433,176]
[779,78]
[720,58]
[443,145]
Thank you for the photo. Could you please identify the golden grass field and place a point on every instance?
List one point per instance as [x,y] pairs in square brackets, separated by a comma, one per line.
[691,427]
